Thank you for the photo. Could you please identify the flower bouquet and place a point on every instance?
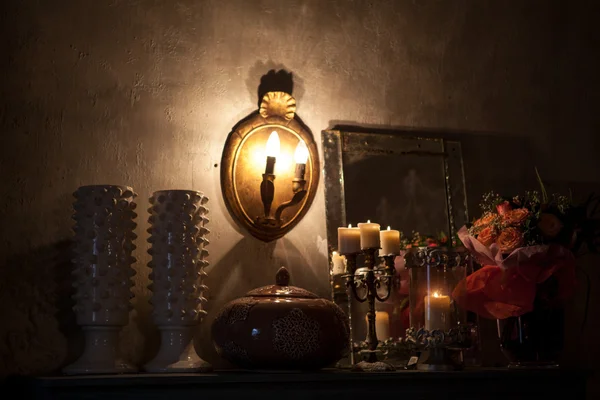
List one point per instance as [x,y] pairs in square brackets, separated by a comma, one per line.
[526,246]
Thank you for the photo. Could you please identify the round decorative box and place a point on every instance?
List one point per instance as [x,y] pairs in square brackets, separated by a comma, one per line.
[281,327]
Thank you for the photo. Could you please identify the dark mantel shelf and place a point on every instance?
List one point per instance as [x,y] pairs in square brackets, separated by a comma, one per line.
[329,384]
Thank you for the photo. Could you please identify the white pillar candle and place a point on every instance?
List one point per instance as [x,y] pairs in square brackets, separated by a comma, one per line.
[437,312]
[348,240]
[339,263]
[369,235]
[382,325]
[390,242]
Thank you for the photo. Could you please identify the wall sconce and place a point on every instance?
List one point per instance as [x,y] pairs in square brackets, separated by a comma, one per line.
[271,143]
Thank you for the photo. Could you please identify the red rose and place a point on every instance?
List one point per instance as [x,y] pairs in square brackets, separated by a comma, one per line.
[510,238]
[515,217]
[487,236]
[549,225]
[503,207]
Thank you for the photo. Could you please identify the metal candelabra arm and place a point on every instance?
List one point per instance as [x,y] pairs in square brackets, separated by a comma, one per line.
[388,277]
[351,277]
[297,198]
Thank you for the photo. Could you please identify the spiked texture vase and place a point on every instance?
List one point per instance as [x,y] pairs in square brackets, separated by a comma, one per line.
[104,224]
[178,238]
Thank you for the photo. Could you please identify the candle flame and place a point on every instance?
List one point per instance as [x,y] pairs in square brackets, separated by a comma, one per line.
[437,294]
[335,253]
[388,227]
[349,225]
[368,221]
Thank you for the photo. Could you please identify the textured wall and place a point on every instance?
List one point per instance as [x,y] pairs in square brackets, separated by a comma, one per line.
[144,93]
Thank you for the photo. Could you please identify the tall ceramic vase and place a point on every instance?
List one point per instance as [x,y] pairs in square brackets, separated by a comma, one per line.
[178,238]
[102,275]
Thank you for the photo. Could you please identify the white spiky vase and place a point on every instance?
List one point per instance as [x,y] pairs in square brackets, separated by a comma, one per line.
[178,238]
[103,245]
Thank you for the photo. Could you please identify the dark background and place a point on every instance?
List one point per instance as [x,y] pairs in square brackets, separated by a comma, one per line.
[144,93]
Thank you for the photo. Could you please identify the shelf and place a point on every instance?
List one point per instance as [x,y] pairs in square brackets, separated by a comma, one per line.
[330,384]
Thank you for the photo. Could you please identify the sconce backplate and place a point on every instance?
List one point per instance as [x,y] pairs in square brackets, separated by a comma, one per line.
[243,165]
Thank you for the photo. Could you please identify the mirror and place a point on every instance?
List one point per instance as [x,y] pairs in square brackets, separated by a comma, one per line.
[397,179]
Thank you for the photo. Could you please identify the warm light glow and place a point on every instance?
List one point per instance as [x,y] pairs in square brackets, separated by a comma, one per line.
[388,227]
[335,253]
[301,154]
[437,294]
[273,145]
[368,221]
[349,225]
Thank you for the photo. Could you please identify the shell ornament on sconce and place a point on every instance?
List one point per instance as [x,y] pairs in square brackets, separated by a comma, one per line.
[270,169]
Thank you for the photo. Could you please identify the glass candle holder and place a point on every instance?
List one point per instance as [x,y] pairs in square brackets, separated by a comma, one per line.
[435,273]
[442,332]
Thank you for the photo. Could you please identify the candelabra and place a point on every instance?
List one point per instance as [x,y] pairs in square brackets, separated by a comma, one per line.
[377,283]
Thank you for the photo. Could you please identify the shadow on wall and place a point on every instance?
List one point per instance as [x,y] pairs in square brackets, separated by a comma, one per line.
[239,271]
[35,310]
[277,79]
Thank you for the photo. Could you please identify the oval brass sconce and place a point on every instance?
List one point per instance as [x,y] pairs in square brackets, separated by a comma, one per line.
[270,169]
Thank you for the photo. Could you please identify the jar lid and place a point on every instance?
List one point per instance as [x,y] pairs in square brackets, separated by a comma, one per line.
[282,288]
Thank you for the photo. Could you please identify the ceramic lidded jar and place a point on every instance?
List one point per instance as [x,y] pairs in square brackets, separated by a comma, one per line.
[281,327]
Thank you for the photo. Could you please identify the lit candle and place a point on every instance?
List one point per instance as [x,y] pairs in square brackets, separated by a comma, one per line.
[348,240]
[390,242]
[339,263]
[272,151]
[301,157]
[382,325]
[437,312]
[369,235]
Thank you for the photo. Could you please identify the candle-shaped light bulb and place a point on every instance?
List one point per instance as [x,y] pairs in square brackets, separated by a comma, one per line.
[272,151]
[301,154]
[273,145]
[301,157]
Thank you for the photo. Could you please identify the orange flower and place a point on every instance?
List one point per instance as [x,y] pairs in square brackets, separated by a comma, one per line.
[486,220]
[510,238]
[515,217]
[487,236]
[549,225]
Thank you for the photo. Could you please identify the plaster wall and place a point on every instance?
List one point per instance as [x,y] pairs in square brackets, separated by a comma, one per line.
[145,94]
